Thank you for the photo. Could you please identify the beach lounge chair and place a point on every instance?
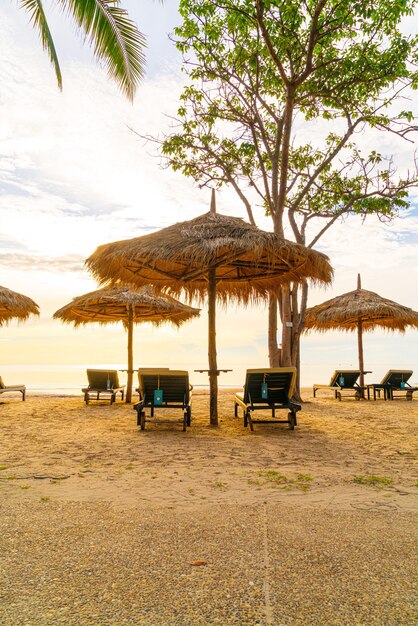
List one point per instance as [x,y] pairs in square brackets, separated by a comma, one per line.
[102,383]
[8,388]
[268,389]
[164,389]
[343,380]
[393,381]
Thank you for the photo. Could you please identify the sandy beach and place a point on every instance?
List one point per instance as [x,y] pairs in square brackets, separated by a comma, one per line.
[104,524]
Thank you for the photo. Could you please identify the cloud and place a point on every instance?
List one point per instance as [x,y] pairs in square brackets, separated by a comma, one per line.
[26,262]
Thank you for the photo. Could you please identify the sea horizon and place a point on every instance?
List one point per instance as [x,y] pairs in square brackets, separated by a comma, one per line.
[68,380]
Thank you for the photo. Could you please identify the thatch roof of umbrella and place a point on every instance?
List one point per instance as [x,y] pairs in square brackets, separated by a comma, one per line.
[15,305]
[249,262]
[111,304]
[343,313]
[129,305]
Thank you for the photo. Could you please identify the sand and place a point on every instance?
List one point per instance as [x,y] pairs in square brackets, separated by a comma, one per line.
[101,523]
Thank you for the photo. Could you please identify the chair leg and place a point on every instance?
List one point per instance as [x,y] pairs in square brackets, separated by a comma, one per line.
[24,395]
[189,416]
[251,422]
[235,410]
[292,420]
[246,414]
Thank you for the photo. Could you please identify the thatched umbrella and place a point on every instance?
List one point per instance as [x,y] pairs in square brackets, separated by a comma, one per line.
[360,310]
[215,256]
[124,303]
[15,305]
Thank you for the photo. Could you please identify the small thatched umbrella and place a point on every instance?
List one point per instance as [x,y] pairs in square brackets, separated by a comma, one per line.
[215,256]
[15,305]
[129,305]
[360,310]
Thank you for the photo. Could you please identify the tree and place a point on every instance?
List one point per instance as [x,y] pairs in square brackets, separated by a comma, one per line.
[115,38]
[257,67]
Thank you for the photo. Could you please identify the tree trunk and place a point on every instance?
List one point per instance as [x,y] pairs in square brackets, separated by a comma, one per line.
[274,350]
[300,310]
[287,326]
[130,355]
[292,316]
[213,364]
[296,350]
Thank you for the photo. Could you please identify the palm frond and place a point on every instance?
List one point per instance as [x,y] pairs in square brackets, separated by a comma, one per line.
[37,17]
[115,38]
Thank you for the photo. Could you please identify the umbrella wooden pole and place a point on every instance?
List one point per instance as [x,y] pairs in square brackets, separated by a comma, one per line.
[360,342]
[130,355]
[360,351]
[213,365]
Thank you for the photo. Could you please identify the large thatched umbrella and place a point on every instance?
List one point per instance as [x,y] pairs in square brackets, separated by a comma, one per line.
[360,310]
[124,303]
[14,305]
[215,256]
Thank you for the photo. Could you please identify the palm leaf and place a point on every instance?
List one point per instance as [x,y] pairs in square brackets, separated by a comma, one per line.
[38,19]
[115,38]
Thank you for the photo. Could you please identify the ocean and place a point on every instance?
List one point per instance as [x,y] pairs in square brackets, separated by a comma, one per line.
[68,380]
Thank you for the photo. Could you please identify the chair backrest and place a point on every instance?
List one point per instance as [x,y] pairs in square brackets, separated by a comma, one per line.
[98,379]
[350,378]
[280,385]
[151,370]
[396,377]
[173,383]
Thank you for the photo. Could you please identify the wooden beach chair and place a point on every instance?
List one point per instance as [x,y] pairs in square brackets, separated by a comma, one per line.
[102,383]
[164,389]
[393,381]
[9,388]
[343,380]
[268,389]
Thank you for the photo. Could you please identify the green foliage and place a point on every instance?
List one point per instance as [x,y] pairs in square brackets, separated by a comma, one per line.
[114,37]
[339,66]
[39,21]
[277,480]
[373,481]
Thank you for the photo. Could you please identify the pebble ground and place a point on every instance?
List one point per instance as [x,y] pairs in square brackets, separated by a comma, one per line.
[94,564]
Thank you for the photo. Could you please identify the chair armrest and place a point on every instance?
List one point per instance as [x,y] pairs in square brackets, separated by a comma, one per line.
[239,399]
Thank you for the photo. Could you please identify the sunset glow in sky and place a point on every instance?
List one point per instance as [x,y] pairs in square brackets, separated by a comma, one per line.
[73,176]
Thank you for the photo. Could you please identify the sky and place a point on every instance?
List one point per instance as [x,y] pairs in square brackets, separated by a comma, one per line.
[73,175]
